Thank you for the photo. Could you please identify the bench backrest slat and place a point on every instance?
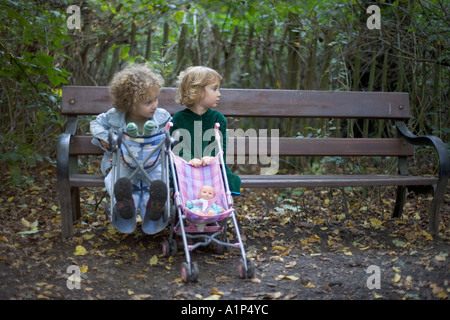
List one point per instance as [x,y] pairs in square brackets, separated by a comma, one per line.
[261,103]
[81,145]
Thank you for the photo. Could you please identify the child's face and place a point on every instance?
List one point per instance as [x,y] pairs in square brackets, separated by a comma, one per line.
[206,192]
[211,95]
[146,108]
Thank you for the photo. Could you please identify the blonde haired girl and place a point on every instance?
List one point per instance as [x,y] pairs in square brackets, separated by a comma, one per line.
[198,91]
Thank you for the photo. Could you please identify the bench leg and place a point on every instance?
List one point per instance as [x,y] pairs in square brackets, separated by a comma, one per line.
[65,201]
[76,210]
[438,198]
[399,202]
[401,190]
[70,210]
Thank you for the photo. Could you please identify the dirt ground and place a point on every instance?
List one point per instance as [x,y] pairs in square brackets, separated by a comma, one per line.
[316,253]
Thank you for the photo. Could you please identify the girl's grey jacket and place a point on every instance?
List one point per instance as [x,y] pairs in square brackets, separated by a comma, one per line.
[113,121]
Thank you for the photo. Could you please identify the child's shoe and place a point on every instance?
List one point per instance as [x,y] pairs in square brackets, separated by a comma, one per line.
[132,130]
[157,201]
[123,192]
[148,128]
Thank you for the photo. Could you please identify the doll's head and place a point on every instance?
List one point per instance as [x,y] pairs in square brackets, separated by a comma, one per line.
[206,192]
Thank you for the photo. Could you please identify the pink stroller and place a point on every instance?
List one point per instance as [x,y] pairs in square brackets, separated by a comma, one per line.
[204,228]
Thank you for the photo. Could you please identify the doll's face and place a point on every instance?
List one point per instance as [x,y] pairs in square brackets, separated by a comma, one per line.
[206,192]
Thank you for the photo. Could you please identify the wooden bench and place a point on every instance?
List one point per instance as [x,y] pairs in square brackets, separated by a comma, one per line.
[82,101]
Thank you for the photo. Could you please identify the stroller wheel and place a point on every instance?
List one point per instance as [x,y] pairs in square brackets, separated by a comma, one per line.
[169,248]
[189,273]
[246,273]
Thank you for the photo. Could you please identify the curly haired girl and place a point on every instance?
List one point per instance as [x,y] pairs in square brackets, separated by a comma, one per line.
[134,92]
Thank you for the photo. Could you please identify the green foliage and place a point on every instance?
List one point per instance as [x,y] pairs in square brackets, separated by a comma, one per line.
[32,40]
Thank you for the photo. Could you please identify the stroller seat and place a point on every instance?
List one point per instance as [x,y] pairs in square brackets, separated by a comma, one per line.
[142,158]
[187,182]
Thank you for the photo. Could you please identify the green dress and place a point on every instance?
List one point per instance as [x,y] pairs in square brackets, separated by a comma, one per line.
[200,130]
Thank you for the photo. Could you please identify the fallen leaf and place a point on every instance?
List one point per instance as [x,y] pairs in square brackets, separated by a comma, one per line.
[377,296]
[290,264]
[309,285]
[396,269]
[25,223]
[88,236]
[274,295]
[408,283]
[375,222]
[438,291]
[153,260]
[141,296]
[215,291]
[399,243]
[80,250]
[441,256]
[284,277]
[276,258]
[397,278]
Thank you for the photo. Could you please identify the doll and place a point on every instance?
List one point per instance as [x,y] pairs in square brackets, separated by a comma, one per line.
[201,206]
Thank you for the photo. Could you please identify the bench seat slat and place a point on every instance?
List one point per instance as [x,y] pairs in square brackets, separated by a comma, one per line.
[274,181]
[258,181]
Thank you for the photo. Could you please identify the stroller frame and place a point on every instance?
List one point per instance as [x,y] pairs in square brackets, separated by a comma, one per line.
[207,234]
[163,160]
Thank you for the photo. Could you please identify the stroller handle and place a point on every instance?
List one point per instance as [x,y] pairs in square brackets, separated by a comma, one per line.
[216,132]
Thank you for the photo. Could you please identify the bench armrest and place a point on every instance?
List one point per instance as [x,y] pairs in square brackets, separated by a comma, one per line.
[439,146]
[62,160]
[444,169]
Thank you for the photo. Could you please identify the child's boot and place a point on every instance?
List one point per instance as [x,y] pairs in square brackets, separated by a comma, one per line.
[157,202]
[148,128]
[132,130]
[123,190]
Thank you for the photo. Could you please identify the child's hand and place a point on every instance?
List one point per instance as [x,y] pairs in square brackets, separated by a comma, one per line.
[195,162]
[206,161]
